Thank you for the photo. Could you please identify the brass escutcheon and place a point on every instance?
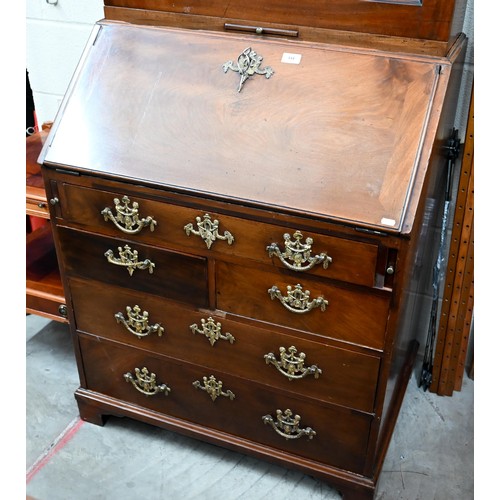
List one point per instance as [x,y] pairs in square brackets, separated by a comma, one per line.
[138,322]
[130,259]
[290,365]
[213,388]
[287,425]
[248,64]
[146,382]
[296,300]
[212,331]
[208,231]
[127,218]
[296,253]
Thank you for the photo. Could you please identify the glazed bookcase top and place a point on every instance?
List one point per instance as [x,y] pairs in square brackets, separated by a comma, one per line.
[424,19]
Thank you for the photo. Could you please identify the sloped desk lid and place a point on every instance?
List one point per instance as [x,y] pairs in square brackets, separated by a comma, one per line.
[334,132]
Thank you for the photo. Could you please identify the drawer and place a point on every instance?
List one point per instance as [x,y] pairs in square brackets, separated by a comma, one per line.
[168,274]
[37,207]
[239,407]
[352,315]
[328,373]
[160,223]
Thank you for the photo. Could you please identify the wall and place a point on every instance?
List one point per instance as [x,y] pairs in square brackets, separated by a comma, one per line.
[468,75]
[56,34]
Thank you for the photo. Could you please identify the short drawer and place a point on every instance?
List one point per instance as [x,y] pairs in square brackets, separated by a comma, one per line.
[157,222]
[353,315]
[315,369]
[325,433]
[37,207]
[112,261]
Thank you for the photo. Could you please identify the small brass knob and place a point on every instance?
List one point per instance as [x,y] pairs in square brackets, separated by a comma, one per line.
[390,270]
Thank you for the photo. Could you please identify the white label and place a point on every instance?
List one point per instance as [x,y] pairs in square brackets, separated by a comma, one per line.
[291,58]
[388,222]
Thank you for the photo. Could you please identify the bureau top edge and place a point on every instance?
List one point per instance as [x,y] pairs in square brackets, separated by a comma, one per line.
[230,205]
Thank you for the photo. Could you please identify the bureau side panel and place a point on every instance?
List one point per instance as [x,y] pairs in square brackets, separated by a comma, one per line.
[419,252]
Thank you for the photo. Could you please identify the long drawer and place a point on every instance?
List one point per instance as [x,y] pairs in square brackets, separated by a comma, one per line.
[316,369]
[168,274]
[165,223]
[233,405]
[353,315]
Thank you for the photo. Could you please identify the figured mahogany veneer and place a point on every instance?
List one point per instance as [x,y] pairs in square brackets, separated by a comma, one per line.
[347,377]
[352,261]
[173,275]
[350,431]
[343,318]
[284,223]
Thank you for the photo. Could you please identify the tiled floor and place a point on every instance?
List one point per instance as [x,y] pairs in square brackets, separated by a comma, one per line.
[430,456]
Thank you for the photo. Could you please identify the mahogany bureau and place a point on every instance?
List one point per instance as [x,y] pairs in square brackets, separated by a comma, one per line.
[237,219]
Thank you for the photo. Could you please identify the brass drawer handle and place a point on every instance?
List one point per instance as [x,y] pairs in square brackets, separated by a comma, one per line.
[127,218]
[146,382]
[137,322]
[290,365]
[208,231]
[288,426]
[213,388]
[296,253]
[296,300]
[212,331]
[130,259]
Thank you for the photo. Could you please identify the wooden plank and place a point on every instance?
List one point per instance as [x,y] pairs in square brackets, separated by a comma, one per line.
[458,294]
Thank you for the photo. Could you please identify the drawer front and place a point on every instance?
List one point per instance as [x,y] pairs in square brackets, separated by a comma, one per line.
[164,223]
[47,305]
[37,208]
[316,370]
[349,315]
[168,274]
[237,407]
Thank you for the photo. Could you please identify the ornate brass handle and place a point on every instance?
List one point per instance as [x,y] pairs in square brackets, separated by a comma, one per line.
[127,218]
[130,259]
[146,382]
[296,300]
[296,253]
[137,322]
[208,231]
[290,365]
[212,331]
[213,388]
[288,426]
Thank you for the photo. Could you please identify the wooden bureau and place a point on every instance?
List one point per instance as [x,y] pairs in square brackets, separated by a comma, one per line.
[240,250]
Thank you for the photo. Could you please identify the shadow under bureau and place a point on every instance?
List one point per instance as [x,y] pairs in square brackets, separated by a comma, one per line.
[237,222]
